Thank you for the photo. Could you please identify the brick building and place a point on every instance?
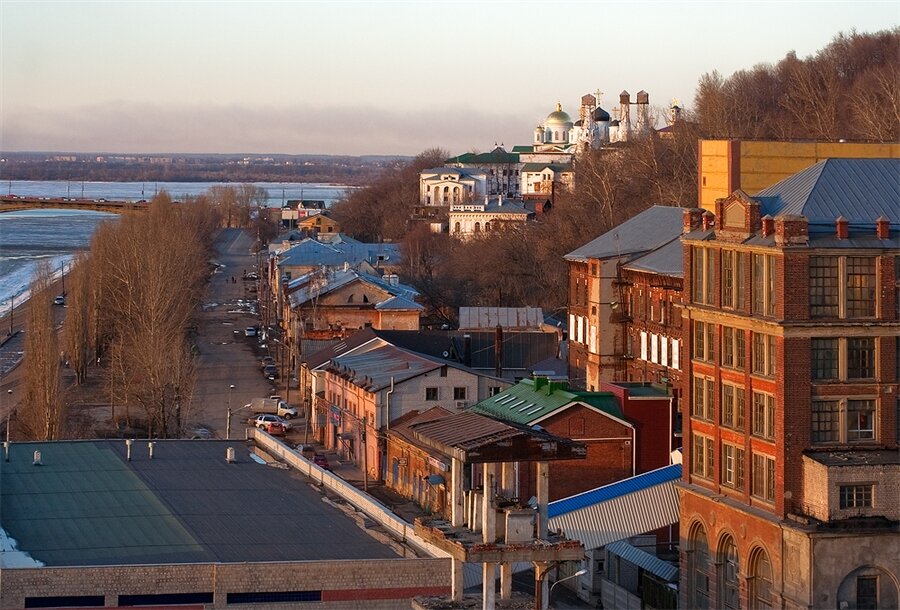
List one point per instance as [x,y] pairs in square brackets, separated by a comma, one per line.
[624,297]
[791,470]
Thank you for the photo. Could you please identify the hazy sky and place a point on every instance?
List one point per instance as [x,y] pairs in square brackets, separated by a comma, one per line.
[367,77]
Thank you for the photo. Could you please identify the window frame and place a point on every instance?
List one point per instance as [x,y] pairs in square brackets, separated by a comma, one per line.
[732,279]
[732,458]
[762,477]
[763,296]
[763,415]
[733,348]
[460,395]
[432,390]
[732,405]
[856,496]
[763,361]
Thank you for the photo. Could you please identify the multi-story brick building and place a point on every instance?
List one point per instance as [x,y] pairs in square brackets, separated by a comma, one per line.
[791,355]
[624,298]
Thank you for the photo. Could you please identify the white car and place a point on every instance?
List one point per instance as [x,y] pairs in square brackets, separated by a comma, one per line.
[262,421]
[250,331]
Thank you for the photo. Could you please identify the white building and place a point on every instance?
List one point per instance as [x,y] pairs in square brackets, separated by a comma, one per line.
[445,186]
[472,219]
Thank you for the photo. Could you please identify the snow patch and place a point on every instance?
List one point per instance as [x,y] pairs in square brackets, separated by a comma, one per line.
[11,557]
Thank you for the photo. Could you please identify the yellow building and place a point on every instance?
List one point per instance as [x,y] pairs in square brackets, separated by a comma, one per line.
[728,165]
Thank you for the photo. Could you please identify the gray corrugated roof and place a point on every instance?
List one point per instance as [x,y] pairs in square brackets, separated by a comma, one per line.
[487,318]
[317,283]
[860,190]
[666,260]
[382,362]
[310,252]
[648,230]
[398,303]
[87,505]
[645,560]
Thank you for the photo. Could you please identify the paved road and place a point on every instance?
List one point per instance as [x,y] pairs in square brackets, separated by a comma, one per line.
[226,357]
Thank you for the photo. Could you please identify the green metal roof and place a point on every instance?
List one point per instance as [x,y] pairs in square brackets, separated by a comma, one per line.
[495,156]
[524,403]
[523,149]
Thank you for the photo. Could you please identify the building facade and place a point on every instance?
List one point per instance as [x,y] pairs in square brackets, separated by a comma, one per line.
[791,356]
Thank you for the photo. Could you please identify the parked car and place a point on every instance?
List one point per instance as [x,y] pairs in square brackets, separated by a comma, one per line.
[263,420]
[266,360]
[60,300]
[251,277]
[250,331]
[307,451]
[321,461]
[270,371]
[276,429]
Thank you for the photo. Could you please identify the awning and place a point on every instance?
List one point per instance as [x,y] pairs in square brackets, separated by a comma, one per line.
[347,435]
[653,564]
[435,479]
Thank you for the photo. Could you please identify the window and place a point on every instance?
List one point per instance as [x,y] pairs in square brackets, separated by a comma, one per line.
[703,283]
[860,286]
[866,592]
[732,279]
[763,355]
[763,477]
[824,359]
[761,581]
[732,466]
[856,496]
[763,284]
[729,576]
[431,393]
[699,569]
[733,347]
[704,335]
[702,403]
[459,393]
[763,415]
[860,420]
[732,406]
[826,421]
[702,456]
[861,358]
[493,390]
[823,286]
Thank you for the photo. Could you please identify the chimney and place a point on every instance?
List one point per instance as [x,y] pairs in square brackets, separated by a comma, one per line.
[883,228]
[150,446]
[128,444]
[467,350]
[500,200]
[791,230]
[708,221]
[37,459]
[842,226]
[768,225]
[691,219]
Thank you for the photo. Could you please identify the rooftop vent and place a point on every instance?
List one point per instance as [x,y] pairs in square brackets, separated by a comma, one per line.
[150,446]
[229,455]
[37,459]
[128,444]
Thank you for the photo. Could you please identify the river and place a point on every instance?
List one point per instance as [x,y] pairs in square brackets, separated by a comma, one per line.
[30,236]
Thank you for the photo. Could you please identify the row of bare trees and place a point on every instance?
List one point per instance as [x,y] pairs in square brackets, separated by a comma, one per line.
[849,90]
[130,304]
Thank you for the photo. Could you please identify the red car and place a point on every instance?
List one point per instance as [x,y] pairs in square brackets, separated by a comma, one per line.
[276,429]
[321,461]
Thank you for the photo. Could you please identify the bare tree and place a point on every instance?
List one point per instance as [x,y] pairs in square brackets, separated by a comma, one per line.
[40,415]
[78,333]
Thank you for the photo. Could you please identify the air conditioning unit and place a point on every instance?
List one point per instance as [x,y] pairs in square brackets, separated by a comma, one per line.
[462,404]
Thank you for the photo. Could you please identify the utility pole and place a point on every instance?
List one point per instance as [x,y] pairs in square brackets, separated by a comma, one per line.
[228,416]
[12,309]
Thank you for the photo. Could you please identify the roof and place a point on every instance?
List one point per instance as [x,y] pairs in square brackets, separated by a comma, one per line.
[508,317]
[398,303]
[375,365]
[652,228]
[554,167]
[665,260]
[498,155]
[615,490]
[619,510]
[495,205]
[641,558]
[87,505]
[878,457]
[523,149]
[462,171]
[475,438]
[316,283]
[860,190]
[532,400]
[312,253]
[642,389]
[315,359]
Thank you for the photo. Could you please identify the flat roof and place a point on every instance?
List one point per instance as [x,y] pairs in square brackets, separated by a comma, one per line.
[87,505]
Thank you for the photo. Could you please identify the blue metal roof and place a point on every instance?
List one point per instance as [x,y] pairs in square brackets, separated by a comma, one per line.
[860,190]
[614,490]
[645,560]
[647,231]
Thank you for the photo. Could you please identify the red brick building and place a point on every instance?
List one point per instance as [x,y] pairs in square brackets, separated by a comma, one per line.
[792,472]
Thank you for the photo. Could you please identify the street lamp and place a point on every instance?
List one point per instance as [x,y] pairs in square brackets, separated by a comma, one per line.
[580,572]
[8,409]
[228,418]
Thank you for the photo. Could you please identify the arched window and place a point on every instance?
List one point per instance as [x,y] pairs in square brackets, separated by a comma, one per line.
[478,227]
[446,193]
[729,569]
[350,299]
[760,580]
[455,194]
[487,226]
[698,568]
[365,299]
[556,136]
[456,228]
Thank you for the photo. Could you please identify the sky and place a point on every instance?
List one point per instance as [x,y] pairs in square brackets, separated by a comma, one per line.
[359,78]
